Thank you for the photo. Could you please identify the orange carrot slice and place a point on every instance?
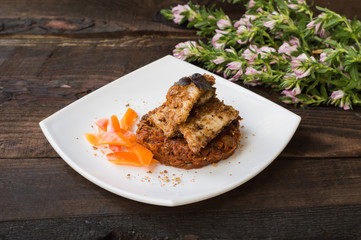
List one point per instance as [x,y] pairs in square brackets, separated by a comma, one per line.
[130,136]
[128,118]
[102,123]
[144,155]
[115,148]
[114,125]
[124,158]
[113,138]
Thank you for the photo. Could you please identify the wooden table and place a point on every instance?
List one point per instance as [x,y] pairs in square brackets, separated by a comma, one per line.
[312,190]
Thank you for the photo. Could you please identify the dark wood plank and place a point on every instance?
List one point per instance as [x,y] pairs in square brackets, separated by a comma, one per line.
[49,188]
[57,57]
[109,17]
[336,222]
[113,17]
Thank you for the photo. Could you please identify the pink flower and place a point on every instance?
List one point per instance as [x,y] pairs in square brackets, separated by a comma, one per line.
[265,51]
[300,1]
[315,25]
[219,60]
[224,23]
[290,76]
[278,35]
[270,24]
[323,57]
[295,41]
[323,33]
[337,94]
[259,10]
[292,93]
[183,54]
[236,76]
[234,65]
[253,82]
[250,17]
[251,71]
[241,29]
[251,4]
[346,106]
[292,6]
[302,73]
[296,62]
[230,50]
[297,65]
[177,12]
[221,32]
[246,20]
[183,50]
[242,42]
[215,44]
[249,55]
[312,24]
[287,48]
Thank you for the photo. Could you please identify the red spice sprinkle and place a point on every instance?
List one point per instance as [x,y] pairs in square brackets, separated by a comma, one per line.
[95,148]
[149,171]
[127,105]
[165,171]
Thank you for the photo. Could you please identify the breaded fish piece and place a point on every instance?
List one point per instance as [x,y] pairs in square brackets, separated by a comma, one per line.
[206,122]
[179,103]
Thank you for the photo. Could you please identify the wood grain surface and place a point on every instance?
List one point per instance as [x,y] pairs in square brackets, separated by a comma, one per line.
[55,52]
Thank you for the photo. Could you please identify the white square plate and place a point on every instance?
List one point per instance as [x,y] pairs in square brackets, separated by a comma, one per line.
[267,130]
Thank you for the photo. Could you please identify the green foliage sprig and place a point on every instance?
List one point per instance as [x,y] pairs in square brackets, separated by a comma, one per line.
[311,59]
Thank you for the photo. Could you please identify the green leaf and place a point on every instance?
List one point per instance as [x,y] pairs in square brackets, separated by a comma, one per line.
[167,13]
[354,73]
[331,23]
[331,42]
[322,9]
[323,91]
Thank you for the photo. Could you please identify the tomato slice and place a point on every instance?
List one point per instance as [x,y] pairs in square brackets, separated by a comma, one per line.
[128,118]
[102,123]
[112,138]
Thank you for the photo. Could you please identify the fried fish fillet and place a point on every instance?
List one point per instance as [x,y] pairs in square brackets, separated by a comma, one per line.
[206,122]
[179,103]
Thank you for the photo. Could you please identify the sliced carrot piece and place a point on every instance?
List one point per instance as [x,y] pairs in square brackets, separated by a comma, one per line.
[102,123]
[153,161]
[128,118]
[130,136]
[124,158]
[114,125]
[115,148]
[112,138]
[144,155]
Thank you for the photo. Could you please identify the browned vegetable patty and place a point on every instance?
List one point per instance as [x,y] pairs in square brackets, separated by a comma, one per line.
[175,151]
